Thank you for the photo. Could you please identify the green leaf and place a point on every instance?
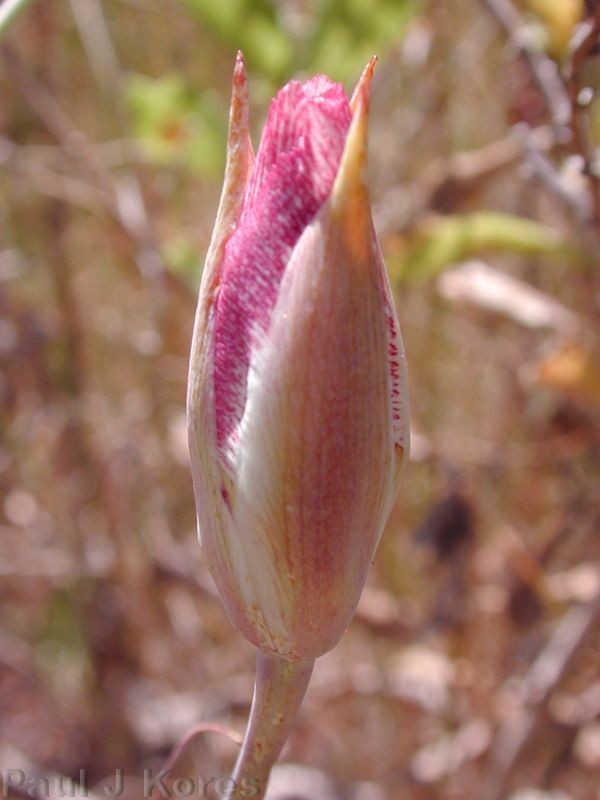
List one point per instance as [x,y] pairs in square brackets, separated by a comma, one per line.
[441,241]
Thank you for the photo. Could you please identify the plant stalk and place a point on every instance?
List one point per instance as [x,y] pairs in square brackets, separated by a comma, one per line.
[278,691]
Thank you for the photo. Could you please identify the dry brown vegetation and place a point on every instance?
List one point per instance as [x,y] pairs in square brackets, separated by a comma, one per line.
[472,668]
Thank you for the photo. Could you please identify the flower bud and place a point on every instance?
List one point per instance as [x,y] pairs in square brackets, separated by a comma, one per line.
[297,398]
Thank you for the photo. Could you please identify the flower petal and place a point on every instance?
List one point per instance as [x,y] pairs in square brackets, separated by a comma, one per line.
[200,397]
[295,168]
[315,476]
[350,201]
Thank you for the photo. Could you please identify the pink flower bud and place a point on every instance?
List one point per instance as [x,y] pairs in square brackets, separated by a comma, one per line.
[297,400]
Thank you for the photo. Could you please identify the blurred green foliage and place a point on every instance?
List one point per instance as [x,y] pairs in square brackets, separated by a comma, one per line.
[175,123]
[349,32]
[440,241]
[340,38]
[182,258]
[251,26]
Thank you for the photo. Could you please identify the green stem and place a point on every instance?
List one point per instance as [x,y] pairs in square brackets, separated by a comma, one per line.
[9,11]
[278,691]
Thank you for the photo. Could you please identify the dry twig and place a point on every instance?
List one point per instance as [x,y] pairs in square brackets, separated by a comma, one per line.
[565,104]
[542,67]
[122,197]
[446,179]
[543,168]
[545,675]
[584,41]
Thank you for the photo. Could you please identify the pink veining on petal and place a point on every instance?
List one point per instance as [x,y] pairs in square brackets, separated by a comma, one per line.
[396,357]
[293,175]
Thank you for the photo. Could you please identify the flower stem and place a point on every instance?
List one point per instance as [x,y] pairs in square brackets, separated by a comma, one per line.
[278,691]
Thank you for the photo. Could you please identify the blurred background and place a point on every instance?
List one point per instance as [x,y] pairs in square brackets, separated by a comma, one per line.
[472,667]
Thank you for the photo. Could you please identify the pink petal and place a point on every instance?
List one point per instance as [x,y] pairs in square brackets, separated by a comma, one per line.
[296,165]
